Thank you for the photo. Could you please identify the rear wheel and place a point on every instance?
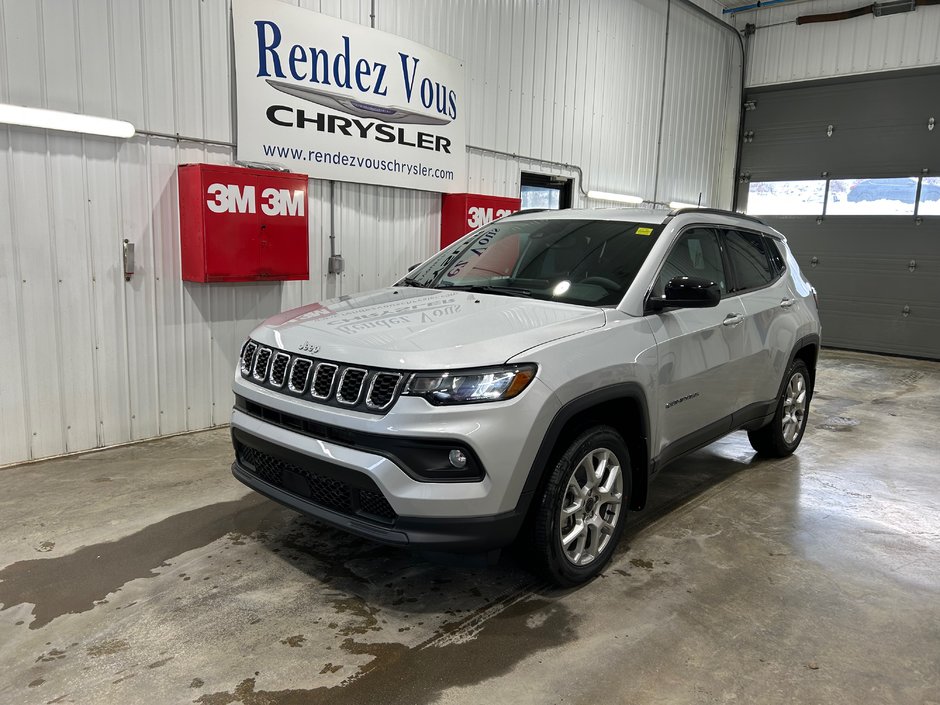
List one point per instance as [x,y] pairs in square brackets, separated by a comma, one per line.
[582,511]
[781,436]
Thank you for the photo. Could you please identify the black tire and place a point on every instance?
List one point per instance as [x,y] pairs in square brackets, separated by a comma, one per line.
[776,439]
[595,445]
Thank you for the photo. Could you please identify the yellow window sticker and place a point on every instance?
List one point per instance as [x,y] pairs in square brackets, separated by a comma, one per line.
[644,231]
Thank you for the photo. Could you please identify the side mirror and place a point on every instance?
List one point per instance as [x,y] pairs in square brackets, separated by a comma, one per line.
[687,292]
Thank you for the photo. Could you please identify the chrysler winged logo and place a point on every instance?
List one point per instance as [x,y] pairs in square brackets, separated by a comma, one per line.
[355,107]
[309,347]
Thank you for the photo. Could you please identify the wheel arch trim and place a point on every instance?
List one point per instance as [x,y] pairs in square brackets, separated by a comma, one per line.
[624,391]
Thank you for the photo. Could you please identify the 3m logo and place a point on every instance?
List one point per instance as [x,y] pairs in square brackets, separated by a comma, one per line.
[477,217]
[231,198]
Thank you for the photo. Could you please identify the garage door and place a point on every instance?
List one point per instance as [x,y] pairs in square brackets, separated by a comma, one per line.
[849,171]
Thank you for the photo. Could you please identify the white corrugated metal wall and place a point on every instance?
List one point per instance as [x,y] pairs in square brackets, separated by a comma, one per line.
[782,51]
[96,361]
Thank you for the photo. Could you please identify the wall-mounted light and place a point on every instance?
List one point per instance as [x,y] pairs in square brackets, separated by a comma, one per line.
[679,205]
[619,197]
[69,122]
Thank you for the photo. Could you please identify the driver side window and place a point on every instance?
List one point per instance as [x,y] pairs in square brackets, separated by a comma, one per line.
[697,253]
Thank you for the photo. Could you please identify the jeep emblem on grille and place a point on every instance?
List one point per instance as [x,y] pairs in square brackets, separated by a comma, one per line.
[309,347]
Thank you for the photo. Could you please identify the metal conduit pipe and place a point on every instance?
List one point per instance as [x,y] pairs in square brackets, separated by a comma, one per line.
[878,9]
[512,155]
[183,138]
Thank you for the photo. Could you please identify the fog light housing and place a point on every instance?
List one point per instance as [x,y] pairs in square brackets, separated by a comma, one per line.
[457,458]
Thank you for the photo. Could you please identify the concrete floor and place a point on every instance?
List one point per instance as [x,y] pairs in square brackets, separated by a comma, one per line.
[147,574]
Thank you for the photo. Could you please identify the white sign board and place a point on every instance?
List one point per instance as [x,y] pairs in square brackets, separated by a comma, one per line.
[341,101]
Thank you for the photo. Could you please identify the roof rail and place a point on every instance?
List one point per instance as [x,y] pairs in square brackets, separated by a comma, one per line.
[525,211]
[715,211]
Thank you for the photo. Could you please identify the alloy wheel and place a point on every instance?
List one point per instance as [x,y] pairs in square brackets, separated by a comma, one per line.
[794,408]
[590,507]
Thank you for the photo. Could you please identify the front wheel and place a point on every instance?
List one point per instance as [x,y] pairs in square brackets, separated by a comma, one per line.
[582,511]
[781,436]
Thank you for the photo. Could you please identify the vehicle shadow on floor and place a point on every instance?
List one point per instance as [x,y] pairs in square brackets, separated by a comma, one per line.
[392,577]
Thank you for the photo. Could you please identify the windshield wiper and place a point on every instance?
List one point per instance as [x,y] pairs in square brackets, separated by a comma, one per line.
[408,281]
[487,289]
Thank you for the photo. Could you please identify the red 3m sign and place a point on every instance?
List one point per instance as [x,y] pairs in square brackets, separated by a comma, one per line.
[463,212]
[241,224]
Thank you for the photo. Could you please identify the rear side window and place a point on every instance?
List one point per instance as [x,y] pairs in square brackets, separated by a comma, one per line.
[773,251]
[749,260]
[697,253]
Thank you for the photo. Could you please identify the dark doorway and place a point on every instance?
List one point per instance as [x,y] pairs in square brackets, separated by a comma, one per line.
[545,191]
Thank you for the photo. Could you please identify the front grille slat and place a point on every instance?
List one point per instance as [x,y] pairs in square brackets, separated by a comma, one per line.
[320,489]
[299,372]
[260,371]
[350,385]
[279,369]
[382,389]
[323,376]
[247,356]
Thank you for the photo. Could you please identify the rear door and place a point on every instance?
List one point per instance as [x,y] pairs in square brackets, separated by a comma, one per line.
[700,350]
[758,278]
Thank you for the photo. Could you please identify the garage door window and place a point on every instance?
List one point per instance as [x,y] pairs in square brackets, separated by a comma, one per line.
[930,196]
[872,196]
[786,197]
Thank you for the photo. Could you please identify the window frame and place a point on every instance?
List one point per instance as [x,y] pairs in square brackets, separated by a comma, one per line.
[716,229]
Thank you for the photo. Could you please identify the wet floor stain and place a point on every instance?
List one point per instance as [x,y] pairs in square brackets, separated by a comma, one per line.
[838,423]
[107,647]
[65,585]
[294,641]
[51,655]
[430,668]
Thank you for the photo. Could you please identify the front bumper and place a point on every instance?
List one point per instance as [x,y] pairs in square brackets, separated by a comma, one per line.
[503,436]
[308,485]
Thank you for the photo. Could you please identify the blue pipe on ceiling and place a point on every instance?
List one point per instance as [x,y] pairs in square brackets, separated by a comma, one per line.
[753,6]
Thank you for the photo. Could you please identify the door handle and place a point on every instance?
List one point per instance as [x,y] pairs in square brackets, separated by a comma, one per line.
[787,303]
[732,319]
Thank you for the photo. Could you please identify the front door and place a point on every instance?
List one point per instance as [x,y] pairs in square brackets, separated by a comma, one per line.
[700,350]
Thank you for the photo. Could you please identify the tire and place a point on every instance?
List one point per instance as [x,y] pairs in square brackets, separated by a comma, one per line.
[781,436]
[573,498]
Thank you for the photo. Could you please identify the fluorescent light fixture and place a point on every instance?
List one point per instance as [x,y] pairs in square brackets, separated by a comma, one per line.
[619,197]
[679,205]
[70,122]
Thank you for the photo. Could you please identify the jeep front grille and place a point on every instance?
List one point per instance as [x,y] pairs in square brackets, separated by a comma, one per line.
[330,383]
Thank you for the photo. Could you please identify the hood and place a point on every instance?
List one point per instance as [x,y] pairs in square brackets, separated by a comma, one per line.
[424,329]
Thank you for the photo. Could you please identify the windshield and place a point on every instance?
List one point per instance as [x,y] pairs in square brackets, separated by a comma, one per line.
[587,262]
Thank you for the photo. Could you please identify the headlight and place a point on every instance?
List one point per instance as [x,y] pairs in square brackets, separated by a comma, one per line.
[470,386]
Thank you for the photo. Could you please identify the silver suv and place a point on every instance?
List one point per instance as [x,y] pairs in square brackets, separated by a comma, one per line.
[528,381]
